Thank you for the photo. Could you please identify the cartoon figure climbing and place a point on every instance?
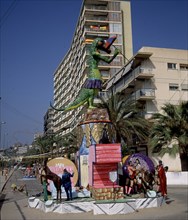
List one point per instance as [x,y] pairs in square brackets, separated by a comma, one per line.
[93,83]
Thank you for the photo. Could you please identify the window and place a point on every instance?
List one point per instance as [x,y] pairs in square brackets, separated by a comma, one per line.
[114,6]
[171,66]
[184,87]
[114,16]
[183,66]
[115,28]
[105,73]
[173,86]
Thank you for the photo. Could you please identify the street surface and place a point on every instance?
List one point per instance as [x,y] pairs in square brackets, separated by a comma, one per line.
[14,205]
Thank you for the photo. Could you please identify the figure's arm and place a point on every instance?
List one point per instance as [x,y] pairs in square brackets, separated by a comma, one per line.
[106,59]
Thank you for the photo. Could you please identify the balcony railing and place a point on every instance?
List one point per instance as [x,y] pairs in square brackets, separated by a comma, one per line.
[96,18]
[142,94]
[102,8]
[145,94]
[128,78]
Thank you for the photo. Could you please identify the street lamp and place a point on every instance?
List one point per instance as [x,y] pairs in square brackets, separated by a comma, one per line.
[1,123]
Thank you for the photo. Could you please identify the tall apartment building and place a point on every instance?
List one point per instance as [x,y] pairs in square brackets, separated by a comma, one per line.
[98,18]
[152,77]
[49,122]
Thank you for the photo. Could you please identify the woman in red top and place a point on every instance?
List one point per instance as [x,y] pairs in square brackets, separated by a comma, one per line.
[162,179]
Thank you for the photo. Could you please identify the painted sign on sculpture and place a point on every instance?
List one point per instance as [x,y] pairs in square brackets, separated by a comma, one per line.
[57,165]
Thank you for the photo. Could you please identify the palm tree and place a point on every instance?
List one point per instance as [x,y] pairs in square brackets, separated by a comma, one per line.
[169,133]
[43,143]
[127,120]
[69,142]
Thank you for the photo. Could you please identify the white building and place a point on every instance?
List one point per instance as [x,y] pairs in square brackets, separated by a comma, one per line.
[98,18]
[153,77]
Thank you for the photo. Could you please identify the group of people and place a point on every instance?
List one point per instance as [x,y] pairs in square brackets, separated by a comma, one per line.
[138,180]
[5,172]
[65,181]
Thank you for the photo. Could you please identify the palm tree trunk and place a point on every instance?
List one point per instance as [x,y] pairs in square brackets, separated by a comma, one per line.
[184,161]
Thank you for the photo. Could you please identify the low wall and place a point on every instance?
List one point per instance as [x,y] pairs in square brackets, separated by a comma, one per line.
[177,178]
[101,207]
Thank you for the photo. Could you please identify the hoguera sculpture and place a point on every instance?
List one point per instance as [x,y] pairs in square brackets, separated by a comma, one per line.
[97,129]
[93,83]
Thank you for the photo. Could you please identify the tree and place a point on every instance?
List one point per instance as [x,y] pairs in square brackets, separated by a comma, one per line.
[42,142]
[69,142]
[169,133]
[127,120]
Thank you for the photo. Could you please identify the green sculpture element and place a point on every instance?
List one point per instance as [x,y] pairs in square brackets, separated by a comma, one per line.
[93,83]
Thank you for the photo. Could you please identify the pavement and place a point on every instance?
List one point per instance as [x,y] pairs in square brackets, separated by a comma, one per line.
[4,180]
[14,205]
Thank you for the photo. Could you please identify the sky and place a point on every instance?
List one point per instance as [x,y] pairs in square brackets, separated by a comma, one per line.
[35,35]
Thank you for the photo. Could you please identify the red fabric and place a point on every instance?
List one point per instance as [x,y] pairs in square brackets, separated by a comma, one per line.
[162,180]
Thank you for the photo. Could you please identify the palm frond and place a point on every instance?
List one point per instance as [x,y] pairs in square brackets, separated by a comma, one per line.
[171,125]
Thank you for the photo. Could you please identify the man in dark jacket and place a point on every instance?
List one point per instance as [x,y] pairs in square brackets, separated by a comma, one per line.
[66,182]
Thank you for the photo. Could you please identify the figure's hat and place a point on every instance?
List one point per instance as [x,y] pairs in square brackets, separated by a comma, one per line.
[109,42]
[106,44]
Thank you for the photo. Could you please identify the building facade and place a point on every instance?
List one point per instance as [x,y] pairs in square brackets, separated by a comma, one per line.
[98,18]
[153,77]
[49,122]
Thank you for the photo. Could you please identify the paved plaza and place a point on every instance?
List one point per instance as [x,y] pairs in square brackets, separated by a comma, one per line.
[14,205]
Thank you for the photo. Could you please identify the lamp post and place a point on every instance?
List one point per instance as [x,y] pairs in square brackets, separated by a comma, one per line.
[1,123]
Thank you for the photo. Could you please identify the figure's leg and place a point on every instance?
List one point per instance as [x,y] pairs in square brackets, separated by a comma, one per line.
[70,189]
[67,192]
[93,93]
[126,185]
[45,190]
[60,193]
[96,92]
[90,100]
[131,186]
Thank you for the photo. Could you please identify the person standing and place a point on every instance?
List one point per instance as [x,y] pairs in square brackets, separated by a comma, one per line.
[138,175]
[130,178]
[162,179]
[44,184]
[66,182]
[6,173]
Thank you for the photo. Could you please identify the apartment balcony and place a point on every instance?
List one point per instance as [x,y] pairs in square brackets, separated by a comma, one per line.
[96,7]
[49,120]
[145,73]
[97,29]
[50,125]
[125,77]
[143,94]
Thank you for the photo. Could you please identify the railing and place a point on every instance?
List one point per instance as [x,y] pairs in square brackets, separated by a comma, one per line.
[145,93]
[141,93]
[103,8]
[131,76]
[96,18]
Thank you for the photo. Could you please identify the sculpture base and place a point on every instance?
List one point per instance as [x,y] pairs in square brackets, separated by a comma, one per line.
[96,115]
[97,127]
[107,193]
[123,206]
